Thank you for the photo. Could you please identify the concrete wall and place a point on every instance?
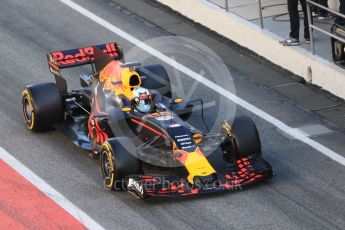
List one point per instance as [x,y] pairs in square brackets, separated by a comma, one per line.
[299,61]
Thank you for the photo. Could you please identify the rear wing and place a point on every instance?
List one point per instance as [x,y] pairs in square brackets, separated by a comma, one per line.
[58,60]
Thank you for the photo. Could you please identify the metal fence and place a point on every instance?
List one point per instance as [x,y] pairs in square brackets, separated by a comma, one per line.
[312,27]
[226,6]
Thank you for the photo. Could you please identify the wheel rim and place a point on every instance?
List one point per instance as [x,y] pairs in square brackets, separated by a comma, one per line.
[108,170]
[105,164]
[28,111]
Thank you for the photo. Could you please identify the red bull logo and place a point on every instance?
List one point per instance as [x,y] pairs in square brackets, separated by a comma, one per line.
[81,55]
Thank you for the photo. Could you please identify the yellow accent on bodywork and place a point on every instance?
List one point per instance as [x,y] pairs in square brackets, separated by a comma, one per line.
[197,165]
[126,89]
[178,100]
[126,75]
[198,138]
[126,109]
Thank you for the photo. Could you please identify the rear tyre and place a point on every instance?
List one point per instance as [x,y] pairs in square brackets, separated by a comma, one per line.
[118,160]
[42,106]
[157,78]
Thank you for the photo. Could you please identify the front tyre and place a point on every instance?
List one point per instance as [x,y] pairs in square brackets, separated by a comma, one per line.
[241,139]
[118,160]
[247,136]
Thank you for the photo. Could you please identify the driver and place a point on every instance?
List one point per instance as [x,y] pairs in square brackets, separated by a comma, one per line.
[142,100]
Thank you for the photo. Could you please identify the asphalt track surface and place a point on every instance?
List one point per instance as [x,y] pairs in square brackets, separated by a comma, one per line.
[307,192]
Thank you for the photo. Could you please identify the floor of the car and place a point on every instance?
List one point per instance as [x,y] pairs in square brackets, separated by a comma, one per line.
[76,130]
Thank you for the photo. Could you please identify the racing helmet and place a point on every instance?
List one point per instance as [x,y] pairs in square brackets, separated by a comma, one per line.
[142,100]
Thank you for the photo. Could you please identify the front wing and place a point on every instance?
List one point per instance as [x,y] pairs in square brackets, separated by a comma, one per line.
[245,171]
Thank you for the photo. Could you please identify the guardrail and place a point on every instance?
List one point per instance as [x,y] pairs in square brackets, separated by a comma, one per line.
[226,7]
[312,27]
[260,14]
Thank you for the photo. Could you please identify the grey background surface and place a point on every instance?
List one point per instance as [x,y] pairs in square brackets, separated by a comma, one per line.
[307,191]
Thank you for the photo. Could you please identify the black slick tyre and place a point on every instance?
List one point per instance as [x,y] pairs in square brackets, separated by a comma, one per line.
[241,139]
[247,136]
[42,106]
[118,160]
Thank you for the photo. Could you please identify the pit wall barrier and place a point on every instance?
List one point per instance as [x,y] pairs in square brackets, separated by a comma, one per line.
[299,61]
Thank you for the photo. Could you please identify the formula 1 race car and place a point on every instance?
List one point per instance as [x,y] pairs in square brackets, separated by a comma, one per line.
[124,114]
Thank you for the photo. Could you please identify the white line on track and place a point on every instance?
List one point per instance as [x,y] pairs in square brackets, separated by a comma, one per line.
[267,117]
[57,197]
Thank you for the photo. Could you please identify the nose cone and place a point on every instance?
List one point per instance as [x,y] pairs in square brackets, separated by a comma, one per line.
[196,164]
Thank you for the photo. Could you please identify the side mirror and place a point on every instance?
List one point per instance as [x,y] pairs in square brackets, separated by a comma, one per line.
[126,109]
[85,80]
[176,101]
